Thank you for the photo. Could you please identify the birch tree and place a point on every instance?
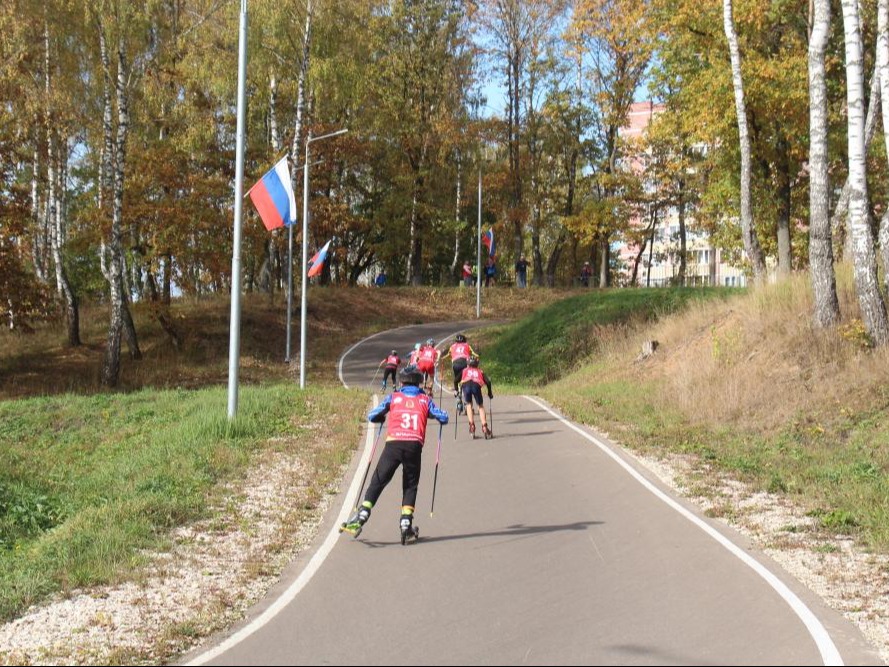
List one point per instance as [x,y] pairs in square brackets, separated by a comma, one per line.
[883,68]
[827,309]
[748,232]
[111,364]
[870,300]
[55,208]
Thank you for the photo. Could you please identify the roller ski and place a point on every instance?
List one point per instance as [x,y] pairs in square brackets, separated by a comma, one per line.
[354,525]
[487,431]
[409,532]
[472,430]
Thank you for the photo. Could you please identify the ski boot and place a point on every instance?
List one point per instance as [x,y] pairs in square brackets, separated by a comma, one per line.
[383,389]
[487,431]
[354,525]
[409,532]
[472,429]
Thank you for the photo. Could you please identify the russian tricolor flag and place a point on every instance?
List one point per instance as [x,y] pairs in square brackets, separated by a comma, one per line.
[317,261]
[273,197]
[488,241]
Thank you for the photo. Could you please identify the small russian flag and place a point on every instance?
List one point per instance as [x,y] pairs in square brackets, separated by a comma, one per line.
[273,197]
[488,241]
[317,261]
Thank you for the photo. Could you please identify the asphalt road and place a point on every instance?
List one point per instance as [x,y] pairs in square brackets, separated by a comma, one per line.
[548,545]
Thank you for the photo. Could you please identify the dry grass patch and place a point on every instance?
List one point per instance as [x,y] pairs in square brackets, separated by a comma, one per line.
[754,360]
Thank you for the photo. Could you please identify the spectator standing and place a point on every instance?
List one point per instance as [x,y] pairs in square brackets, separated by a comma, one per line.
[585,274]
[521,272]
[490,272]
[467,273]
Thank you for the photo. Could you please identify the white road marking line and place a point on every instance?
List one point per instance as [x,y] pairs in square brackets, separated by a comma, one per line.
[306,575]
[323,551]
[829,653]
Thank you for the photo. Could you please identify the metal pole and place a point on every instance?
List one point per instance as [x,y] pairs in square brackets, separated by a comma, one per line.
[305,263]
[234,344]
[289,286]
[478,260]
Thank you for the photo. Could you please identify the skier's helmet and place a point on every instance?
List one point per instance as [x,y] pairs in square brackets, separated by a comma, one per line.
[418,346]
[411,375]
[430,342]
[473,361]
[460,338]
[394,353]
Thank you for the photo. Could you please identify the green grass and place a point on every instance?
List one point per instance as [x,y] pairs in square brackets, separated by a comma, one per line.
[553,340]
[89,482]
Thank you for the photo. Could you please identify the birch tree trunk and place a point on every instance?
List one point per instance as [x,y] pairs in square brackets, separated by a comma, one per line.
[827,307]
[415,255]
[295,151]
[111,364]
[883,68]
[55,208]
[455,262]
[106,159]
[839,219]
[39,245]
[748,233]
[873,309]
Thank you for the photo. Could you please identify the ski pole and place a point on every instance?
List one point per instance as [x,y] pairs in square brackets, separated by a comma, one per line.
[437,459]
[375,376]
[491,405]
[369,464]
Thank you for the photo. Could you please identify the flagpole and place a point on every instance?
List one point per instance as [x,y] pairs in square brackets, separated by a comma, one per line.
[478,260]
[234,345]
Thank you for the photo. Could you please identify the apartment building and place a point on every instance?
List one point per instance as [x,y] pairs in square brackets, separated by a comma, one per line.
[659,263]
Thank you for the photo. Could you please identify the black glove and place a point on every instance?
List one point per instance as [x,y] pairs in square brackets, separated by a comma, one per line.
[490,394]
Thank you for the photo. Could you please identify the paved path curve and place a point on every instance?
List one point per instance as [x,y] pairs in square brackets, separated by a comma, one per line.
[548,546]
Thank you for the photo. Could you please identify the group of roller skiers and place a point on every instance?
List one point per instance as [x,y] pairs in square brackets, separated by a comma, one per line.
[468,377]
[409,409]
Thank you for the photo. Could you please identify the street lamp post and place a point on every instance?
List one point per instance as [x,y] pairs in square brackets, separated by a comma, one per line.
[305,262]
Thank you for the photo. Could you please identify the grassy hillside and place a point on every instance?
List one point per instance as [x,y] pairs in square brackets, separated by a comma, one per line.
[41,363]
[746,383]
[556,338]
